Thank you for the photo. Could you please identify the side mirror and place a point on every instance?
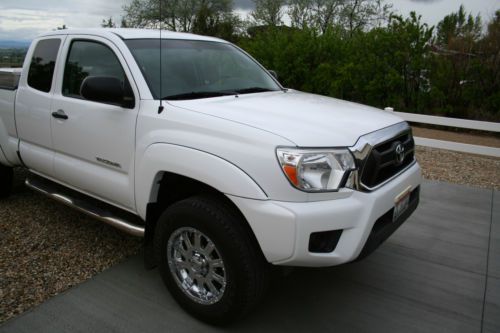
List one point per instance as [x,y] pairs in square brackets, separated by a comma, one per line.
[273,73]
[107,89]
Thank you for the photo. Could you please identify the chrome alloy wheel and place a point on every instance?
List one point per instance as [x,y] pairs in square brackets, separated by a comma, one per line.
[196,265]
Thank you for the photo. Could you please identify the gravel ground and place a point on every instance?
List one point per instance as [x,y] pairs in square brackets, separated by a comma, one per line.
[46,248]
[470,138]
[459,168]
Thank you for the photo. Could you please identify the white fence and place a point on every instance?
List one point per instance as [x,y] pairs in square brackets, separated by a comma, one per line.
[452,122]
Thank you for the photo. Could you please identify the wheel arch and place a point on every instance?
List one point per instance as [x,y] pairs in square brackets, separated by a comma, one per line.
[214,171]
[185,187]
[169,173]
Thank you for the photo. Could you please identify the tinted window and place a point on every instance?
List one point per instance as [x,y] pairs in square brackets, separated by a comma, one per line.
[42,64]
[190,66]
[88,58]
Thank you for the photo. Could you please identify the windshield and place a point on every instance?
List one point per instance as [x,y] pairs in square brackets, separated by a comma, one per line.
[198,69]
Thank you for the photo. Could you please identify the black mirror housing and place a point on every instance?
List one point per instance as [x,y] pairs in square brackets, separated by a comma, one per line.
[107,89]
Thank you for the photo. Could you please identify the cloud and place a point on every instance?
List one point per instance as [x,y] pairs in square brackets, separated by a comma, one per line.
[27,23]
[244,4]
[28,18]
[426,1]
[18,34]
[25,19]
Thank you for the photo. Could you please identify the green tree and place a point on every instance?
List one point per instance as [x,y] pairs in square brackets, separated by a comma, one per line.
[361,14]
[215,18]
[268,12]
[325,13]
[177,15]
[456,64]
[458,26]
[355,50]
[124,23]
[412,41]
[484,93]
[300,13]
[317,14]
[109,23]
[211,17]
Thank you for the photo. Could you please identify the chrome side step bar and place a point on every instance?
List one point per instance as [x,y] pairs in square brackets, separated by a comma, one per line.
[125,221]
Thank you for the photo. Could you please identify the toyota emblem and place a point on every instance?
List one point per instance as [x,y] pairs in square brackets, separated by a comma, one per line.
[400,153]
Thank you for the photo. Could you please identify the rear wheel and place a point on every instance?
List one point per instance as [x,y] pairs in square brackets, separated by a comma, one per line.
[209,261]
[6,178]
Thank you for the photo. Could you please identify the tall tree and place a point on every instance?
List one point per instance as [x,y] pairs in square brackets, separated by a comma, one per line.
[124,23]
[458,25]
[412,42]
[361,14]
[457,60]
[269,12]
[490,82]
[326,13]
[177,15]
[300,13]
[215,18]
[212,17]
[108,23]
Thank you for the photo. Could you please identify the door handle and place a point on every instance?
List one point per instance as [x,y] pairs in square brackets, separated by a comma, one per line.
[59,114]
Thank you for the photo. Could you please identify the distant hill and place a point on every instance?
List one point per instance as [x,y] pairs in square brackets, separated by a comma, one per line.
[14,44]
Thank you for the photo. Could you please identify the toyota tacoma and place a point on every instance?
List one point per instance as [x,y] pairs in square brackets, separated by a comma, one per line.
[189,142]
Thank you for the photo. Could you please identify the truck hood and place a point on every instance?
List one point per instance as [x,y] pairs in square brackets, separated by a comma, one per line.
[307,120]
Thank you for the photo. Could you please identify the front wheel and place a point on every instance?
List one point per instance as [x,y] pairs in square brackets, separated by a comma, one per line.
[209,261]
[6,178]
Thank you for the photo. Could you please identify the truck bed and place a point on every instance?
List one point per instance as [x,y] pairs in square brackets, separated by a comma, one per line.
[9,78]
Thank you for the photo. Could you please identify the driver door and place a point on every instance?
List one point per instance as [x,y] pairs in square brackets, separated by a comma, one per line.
[94,142]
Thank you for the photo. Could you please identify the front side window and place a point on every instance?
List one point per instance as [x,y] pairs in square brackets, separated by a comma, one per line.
[196,69]
[42,64]
[88,58]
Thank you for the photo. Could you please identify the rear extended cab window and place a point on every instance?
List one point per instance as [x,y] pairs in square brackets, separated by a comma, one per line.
[42,64]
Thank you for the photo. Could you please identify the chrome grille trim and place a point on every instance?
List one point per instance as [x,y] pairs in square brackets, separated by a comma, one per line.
[364,146]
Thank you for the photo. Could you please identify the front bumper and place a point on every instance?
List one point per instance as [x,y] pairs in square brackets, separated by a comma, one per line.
[283,229]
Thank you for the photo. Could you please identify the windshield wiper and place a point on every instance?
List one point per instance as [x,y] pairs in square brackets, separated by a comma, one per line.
[198,94]
[207,94]
[253,90]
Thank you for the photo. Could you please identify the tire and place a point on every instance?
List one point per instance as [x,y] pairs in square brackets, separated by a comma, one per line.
[244,271]
[6,178]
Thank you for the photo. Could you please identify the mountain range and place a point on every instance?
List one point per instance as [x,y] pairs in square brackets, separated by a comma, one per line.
[14,44]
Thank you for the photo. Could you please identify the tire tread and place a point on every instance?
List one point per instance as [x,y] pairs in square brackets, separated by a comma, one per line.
[254,266]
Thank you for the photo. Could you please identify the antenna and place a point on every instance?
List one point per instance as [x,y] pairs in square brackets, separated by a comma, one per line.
[160,108]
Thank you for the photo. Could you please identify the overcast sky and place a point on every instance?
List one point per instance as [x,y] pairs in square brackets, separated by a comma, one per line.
[24,19]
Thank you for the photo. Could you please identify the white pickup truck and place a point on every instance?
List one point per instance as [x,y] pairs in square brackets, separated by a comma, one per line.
[188,142]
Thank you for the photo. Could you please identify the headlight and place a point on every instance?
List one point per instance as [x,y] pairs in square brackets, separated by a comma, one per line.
[316,170]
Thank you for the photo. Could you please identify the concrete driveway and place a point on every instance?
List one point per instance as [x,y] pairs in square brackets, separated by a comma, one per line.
[439,272]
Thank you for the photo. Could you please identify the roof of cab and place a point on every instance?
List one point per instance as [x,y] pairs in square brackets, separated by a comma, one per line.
[126,33]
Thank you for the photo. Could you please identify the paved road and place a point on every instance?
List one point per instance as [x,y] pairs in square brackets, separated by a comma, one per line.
[439,272]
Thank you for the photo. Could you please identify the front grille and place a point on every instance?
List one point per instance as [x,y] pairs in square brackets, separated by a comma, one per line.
[385,161]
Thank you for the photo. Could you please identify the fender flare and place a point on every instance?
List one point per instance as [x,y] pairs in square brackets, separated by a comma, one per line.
[202,166]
